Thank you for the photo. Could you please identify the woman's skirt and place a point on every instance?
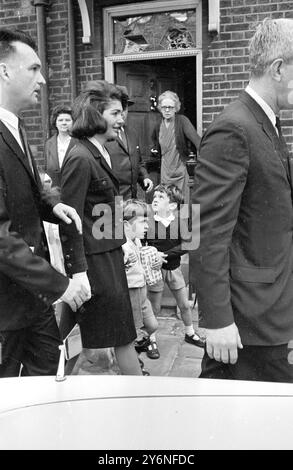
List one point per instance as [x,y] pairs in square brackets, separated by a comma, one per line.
[107,319]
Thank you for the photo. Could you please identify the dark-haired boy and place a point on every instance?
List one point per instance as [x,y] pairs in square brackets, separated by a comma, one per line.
[166,237]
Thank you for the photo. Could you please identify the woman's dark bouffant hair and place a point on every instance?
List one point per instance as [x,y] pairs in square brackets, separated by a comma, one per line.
[89,107]
[59,109]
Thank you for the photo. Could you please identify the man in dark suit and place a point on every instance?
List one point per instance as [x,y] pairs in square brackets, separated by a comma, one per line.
[243,183]
[29,335]
[126,158]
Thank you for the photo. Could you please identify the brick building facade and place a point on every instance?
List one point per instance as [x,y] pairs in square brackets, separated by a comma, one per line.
[225,69]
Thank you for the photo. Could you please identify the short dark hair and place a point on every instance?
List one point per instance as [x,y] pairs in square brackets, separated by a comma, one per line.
[60,109]
[173,192]
[10,35]
[89,106]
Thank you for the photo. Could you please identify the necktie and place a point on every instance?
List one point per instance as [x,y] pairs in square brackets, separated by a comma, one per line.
[26,149]
[283,147]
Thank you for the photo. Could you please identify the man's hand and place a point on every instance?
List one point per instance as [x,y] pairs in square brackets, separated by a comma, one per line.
[67,214]
[160,260]
[77,292]
[148,184]
[222,344]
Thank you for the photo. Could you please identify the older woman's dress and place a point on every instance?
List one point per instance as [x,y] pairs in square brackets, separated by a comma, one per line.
[173,169]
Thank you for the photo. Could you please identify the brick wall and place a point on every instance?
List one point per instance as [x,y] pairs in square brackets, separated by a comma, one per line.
[90,58]
[225,65]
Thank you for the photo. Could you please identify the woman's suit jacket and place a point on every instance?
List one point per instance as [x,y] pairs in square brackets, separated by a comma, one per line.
[90,186]
[184,132]
[28,284]
[52,167]
[243,267]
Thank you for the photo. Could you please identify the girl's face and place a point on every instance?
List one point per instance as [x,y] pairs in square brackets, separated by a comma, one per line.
[167,108]
[113,114]
[64,122]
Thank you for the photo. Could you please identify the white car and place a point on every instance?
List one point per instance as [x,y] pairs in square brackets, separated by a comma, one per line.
[122,412]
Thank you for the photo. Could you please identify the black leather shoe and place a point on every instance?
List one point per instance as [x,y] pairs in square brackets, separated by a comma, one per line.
[142,345]
[195,340]
[152,351]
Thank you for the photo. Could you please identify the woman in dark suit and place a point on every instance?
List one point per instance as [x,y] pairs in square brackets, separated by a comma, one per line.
[90,185]
[61,142]
[171,139]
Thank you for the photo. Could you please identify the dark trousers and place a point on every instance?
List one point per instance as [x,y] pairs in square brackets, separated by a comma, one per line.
[263,363]
[35,348]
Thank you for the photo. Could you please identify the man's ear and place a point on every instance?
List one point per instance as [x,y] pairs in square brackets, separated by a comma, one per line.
[126,224]
[3,71]
[276,69]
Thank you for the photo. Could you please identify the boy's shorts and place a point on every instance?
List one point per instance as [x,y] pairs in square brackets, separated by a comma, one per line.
[141,306]
[174,279]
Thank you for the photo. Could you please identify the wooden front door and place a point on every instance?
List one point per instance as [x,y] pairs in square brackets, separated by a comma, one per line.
[146,80]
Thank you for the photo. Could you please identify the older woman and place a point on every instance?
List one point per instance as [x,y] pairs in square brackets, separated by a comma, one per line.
[96,257]
[171,139]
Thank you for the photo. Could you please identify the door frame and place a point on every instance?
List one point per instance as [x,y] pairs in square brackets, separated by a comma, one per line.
[152,7]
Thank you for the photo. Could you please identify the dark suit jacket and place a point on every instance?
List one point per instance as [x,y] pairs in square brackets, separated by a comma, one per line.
[52,167]
[127,164]
[90,186]
[184,133]
[28,284]
[243,268]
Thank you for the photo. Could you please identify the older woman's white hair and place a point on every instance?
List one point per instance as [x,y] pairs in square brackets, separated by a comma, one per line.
[172,96]
[272,40]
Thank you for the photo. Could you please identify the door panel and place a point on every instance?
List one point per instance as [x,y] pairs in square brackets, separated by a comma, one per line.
[144,80]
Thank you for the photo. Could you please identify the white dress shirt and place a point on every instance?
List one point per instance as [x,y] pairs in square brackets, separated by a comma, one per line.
[164,220]
[62,146]
[265,107]
[10,120]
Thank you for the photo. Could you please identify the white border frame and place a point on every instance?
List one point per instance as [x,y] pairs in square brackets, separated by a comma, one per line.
[155,7]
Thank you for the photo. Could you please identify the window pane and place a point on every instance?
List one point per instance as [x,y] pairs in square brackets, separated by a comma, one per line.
[161,31]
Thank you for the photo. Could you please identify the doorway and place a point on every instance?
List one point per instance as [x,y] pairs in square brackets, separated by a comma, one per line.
[145,81]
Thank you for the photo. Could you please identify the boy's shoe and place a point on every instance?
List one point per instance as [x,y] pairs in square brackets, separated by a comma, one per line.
[142,345]
[152,351]
[195,340]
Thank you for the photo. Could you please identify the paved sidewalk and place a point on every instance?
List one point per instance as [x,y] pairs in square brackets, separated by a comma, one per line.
[178,358]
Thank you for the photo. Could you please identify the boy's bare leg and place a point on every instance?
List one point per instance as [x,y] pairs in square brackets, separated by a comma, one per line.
[181,298]
[156,300]
[183,304]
